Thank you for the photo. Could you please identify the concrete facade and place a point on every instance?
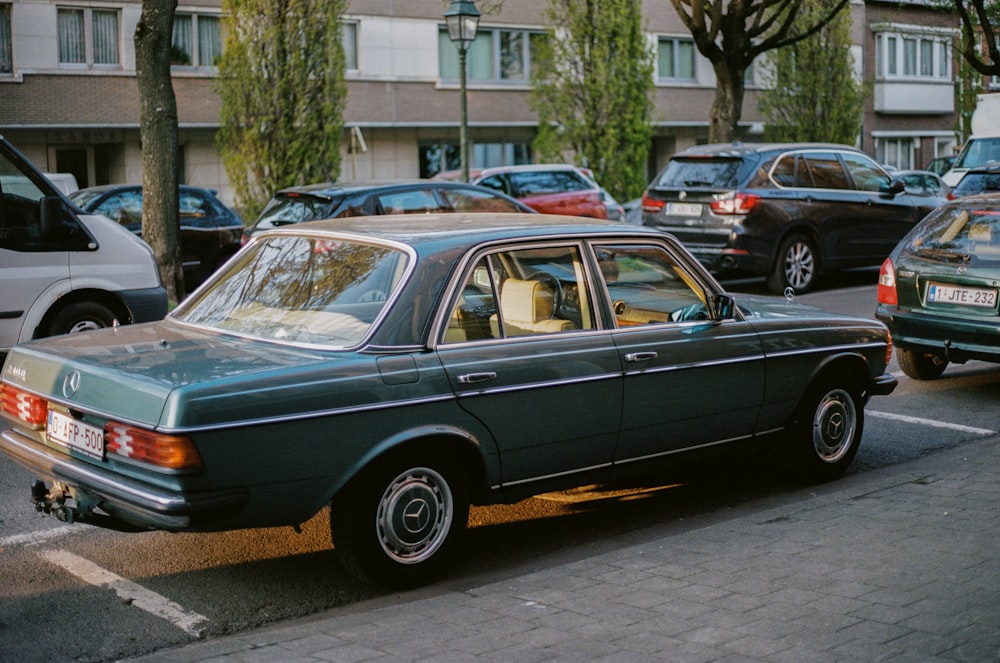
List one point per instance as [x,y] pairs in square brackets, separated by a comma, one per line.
[403,107]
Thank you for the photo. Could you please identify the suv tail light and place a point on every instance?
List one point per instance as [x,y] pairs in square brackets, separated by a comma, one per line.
[887,284]
[651,204]
[741,203]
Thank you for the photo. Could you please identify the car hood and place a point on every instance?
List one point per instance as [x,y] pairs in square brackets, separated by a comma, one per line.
[756,306]
[170,377]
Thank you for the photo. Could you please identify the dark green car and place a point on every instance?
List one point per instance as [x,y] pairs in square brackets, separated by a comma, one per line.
[400,368]
[938,289]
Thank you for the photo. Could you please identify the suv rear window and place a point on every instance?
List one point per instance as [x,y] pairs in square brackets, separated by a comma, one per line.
[704,173]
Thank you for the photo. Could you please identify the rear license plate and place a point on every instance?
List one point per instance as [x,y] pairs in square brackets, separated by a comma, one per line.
[682,209]
[75,434]
[947,294]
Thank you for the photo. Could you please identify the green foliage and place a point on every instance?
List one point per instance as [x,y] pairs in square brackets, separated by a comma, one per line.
[968,87]
[811,91]
[281,81]
[592,91]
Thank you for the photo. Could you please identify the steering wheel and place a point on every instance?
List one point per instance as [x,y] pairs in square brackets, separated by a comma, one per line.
[557,291]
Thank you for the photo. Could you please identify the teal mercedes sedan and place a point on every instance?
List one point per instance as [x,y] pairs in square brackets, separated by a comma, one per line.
[401,368]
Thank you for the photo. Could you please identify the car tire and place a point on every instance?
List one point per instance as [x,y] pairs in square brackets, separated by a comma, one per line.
[827,430]
[796,266]
[368,521]
[921,365]
[79,317]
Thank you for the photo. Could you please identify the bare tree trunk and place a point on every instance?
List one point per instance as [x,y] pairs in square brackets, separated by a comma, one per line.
[727,106]
[158,132]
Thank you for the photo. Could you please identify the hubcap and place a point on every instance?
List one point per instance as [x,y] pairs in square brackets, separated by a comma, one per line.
[834,425]
[84,325]
[799,265]
[414,515]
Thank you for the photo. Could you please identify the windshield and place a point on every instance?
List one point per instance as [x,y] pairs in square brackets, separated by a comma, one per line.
[979,152]
[958,234]
[302,290]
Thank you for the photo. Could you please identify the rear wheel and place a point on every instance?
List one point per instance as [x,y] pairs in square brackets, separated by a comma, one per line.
[797,266]
[827,430]
[396,524]
[921,365]
[80,317]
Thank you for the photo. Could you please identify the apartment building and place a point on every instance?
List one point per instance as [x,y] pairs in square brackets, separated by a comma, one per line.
[69,100]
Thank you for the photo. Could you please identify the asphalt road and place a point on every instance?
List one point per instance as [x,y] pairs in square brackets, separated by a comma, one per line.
[74,592]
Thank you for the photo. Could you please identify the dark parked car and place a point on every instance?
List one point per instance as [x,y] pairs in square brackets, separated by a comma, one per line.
[937,290]
[545,188]
[346,199]
[984,179]
[941,165]
[400,369]
[210,232]
[784,211]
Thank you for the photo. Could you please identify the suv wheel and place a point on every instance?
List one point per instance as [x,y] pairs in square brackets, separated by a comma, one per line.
[796,267]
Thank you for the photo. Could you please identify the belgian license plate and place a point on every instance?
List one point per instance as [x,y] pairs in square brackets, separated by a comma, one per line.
[682,209]
[77,435]
[947,294]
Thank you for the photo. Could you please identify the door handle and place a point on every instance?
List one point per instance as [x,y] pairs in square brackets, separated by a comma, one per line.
[472,378]
[640,356]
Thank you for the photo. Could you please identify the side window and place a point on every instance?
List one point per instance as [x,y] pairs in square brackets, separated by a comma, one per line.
[826,171]
[496,183]
[420,201]
[866,175]
[193,206]
[463,200]
[647,286]
[523,292]
[20,228]
[791,171]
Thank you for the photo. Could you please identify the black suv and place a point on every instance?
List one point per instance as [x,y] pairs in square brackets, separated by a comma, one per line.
[330,201]
[784,211]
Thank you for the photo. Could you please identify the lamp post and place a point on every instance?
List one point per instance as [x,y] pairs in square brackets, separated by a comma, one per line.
[463,23]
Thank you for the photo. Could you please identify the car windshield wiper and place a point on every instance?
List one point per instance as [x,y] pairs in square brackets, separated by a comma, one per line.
[943,253]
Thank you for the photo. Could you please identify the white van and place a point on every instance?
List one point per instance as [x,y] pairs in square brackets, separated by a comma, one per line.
[62,271]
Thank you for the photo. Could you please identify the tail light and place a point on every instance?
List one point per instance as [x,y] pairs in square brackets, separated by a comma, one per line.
[887,284]
[741,203]
[951,196]
[23,406]
[170,452]
[651,204]
[888,349]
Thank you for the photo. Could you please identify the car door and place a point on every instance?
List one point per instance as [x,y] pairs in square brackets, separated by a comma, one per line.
[689,380]
[523,351]
[883,217]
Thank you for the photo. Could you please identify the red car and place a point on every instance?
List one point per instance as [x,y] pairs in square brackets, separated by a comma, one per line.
[545,188]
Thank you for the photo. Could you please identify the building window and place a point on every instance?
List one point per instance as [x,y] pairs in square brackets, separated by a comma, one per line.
[349,37]
[675,59]
[440,157]
[6,46]
[895,152]
[88,36]
[913,56]
[496,56]
[197,41]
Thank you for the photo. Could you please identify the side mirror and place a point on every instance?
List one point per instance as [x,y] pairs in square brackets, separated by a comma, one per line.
[723,307]
[51,217]
[896,186]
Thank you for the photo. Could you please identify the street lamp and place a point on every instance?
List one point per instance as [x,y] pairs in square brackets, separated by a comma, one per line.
[463,23]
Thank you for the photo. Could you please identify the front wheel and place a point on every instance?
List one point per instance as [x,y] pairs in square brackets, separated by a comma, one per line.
[80,317]
[920,365]
[827,430]
[796,267]
[396,524]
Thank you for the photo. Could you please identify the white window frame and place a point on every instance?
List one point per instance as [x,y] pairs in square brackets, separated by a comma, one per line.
[674,44]
[896,151]
[196,45]
[90,36]
[349,32]
[902,54]
[485,54]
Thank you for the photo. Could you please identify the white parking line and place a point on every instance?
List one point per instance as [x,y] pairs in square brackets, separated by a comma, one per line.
[931,422]
[39,536]
[134,594]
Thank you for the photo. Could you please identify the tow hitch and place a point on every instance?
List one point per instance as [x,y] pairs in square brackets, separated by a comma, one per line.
[57,501]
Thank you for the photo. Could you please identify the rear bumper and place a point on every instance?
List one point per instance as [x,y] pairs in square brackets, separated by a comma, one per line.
[957,339]
[883,385]
[122,498]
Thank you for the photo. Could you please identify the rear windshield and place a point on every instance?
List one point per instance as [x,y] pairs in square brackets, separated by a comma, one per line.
[286,209]
[974,183]
[958,234]
[704,173]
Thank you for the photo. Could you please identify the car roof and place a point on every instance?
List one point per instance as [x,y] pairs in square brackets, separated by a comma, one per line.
[332,189]
[464,228]
[110,188]
[741,149]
